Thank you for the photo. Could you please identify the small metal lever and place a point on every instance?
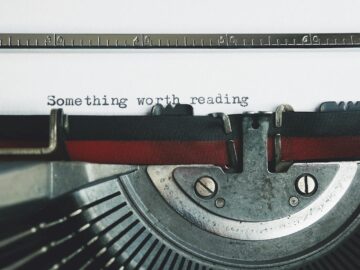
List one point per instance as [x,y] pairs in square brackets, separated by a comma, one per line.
[55,118]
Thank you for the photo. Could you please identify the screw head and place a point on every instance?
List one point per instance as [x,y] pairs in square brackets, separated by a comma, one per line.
[220,202]
[293,201]
[205,187]
[306,184]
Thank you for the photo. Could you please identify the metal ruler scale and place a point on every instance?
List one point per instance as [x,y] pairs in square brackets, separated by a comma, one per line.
[182,41]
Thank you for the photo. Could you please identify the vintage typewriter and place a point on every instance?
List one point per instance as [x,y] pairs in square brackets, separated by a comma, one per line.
[176,191]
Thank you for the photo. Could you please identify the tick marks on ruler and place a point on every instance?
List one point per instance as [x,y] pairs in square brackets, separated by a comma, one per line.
[179,40]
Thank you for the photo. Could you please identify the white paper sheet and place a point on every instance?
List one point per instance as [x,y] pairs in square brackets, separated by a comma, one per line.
[231,81]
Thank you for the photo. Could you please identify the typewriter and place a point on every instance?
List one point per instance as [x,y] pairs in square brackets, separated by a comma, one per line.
[171,190]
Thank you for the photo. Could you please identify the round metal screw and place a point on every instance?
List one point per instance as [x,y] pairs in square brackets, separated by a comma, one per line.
[293,201]
[205,187]
[306,184]
[220,202]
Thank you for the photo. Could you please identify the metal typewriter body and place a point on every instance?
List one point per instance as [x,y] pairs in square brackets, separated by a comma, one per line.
[253,213]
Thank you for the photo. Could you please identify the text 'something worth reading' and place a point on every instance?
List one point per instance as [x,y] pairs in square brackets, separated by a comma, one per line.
[123,102]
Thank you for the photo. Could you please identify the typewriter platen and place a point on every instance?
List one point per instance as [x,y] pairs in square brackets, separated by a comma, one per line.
[249,191]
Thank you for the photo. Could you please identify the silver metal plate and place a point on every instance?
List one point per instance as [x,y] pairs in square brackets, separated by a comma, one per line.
[257,200]
[183,41]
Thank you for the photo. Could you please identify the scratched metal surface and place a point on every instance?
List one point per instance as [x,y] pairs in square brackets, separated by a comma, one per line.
[136,41]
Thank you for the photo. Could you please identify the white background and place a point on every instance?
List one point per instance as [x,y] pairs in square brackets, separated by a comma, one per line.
[303,78]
